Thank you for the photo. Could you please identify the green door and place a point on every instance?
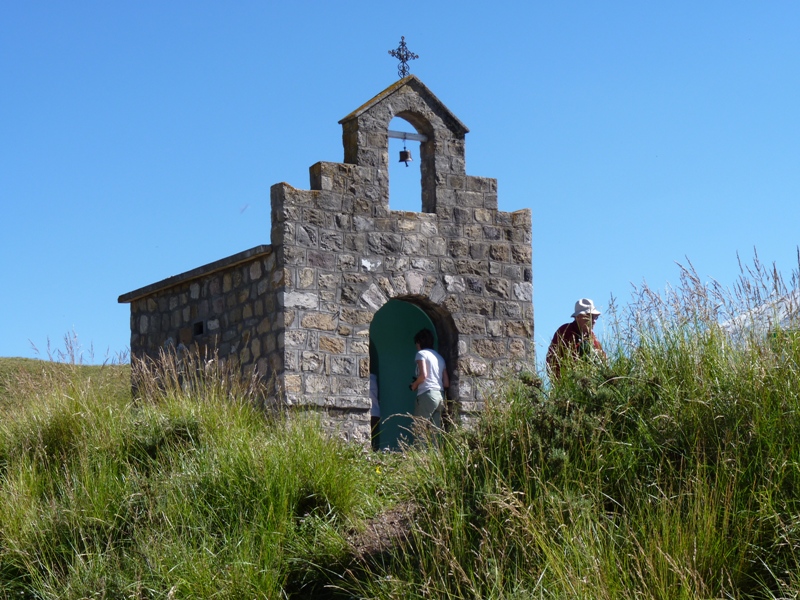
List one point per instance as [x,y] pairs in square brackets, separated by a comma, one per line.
[392,337]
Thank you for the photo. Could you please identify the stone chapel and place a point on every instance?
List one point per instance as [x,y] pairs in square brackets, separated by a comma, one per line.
[346,282]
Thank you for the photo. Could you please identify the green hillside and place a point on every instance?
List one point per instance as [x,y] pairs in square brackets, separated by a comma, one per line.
[24,379]
[670,471]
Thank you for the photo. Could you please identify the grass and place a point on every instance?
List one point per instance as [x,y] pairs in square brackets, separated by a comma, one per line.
[178,493]
[670,471]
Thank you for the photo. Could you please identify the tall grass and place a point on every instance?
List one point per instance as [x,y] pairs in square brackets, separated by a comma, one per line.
[671,471]
[187,491]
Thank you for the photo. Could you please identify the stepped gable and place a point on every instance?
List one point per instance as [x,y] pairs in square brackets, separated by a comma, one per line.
[319,308]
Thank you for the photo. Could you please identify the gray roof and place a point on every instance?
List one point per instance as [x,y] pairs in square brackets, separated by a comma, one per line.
[217,265]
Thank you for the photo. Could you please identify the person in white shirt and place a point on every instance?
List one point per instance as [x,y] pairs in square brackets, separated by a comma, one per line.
[431,381]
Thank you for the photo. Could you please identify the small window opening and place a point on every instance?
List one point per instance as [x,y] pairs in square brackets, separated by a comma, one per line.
[198,328]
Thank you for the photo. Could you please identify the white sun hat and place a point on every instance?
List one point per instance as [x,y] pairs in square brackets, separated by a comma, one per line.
[585,306]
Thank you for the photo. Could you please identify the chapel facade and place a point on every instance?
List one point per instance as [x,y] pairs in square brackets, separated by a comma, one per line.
[346,282]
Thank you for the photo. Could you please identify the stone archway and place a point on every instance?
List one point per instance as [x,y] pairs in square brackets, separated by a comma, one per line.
[391,335]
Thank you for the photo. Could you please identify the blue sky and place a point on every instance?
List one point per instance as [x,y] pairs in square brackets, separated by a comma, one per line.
[139,139]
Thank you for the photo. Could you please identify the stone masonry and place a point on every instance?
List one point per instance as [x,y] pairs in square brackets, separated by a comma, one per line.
[300,309]
[226,308]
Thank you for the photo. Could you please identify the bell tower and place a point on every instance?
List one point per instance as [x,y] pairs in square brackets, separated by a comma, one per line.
[346,254]
[365,133]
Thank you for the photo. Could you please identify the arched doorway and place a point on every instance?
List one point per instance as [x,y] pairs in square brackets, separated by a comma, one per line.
[391,337]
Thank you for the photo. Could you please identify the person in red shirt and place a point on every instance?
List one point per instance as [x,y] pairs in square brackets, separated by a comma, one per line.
[575,339]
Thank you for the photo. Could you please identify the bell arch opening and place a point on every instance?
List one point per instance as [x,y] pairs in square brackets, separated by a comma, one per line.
[424,180]
[405,179]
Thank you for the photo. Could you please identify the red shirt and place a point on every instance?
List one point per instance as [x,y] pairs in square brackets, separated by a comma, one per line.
[569,339]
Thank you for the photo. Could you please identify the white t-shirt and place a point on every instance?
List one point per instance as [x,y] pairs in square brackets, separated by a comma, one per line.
[435,364]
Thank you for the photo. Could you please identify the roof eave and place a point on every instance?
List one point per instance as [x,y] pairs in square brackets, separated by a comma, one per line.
[208,269]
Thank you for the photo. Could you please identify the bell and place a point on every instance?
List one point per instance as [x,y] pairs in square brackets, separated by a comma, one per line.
[405,156]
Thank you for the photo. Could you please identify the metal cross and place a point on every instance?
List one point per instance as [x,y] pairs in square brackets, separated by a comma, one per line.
[403,55]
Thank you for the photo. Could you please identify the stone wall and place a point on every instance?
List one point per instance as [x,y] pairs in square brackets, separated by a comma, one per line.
[469,268]
[227,309]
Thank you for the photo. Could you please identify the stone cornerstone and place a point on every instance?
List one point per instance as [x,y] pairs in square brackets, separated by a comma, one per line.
[300,309]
